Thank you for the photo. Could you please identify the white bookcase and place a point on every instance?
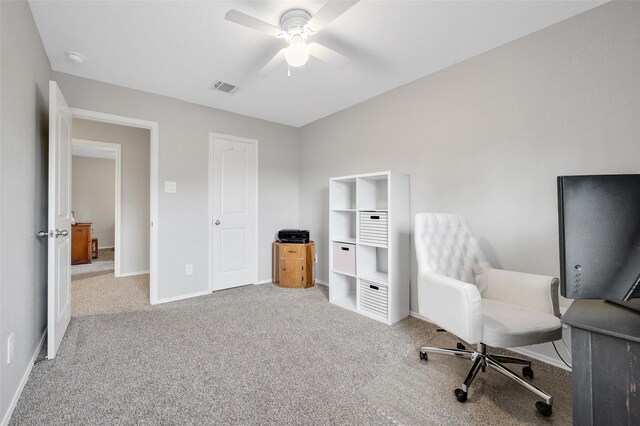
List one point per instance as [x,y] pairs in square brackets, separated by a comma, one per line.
[369,253]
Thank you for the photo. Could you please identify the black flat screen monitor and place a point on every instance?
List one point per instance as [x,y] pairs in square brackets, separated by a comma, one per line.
[600,237]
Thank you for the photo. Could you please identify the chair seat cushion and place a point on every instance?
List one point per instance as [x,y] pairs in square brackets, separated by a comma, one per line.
[505,325]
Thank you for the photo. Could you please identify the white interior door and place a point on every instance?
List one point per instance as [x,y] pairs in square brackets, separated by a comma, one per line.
[233,207]
[59,257]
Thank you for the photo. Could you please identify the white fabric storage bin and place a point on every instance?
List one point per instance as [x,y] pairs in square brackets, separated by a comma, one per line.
[344,258]
[373,228]
[374,298]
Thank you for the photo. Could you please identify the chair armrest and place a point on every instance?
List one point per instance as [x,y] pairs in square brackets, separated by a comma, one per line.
[538,292]
[451,304]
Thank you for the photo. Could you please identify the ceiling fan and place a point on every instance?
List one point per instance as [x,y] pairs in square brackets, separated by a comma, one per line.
[296,25]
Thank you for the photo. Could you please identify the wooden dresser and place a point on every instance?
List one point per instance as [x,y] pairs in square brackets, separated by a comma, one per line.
[81,243]
[293,264]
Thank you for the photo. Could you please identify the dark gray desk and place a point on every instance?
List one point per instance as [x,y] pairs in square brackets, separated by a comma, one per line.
[605,349]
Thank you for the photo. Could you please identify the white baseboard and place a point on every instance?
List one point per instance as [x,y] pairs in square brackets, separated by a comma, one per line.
[105,247]
[23,382]
[131,274]
[522,351]
[417,315]
[269,281]
[182,297]
[540,357]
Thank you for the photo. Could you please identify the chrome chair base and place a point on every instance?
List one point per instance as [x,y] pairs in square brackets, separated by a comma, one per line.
[482,360]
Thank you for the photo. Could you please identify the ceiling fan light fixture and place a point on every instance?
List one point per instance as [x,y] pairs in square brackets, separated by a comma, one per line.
[297,54]
[296,25]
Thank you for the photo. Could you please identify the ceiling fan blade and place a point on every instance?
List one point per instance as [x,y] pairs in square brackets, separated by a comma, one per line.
[328,55]
[272,64]
[328,13]
[251,22]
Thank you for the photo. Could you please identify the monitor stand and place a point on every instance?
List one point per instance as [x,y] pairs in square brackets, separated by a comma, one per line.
[633,305]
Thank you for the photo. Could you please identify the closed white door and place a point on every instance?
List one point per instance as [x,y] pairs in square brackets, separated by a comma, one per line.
[233,212]
[59,255]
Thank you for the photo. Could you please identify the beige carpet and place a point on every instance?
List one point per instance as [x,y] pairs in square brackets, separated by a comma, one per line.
[263,355]
[96,291]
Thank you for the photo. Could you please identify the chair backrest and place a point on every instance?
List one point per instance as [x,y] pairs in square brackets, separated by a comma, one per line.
[446,246]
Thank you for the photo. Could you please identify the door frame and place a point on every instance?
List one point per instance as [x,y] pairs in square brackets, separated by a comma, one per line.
[254,142]
[118,211]
[152,126]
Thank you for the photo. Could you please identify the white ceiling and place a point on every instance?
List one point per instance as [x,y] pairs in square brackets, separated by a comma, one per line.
[179,48]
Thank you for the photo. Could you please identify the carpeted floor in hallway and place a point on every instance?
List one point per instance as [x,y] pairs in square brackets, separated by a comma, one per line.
[95,290]
[104,262]
[266,355]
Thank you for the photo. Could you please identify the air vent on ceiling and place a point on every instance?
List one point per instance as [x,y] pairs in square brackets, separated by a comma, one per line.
[223,87]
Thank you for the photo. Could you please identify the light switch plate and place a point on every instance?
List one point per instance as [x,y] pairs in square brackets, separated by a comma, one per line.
[170,187]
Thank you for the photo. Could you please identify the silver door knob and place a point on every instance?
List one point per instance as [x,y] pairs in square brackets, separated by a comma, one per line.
[42,234]
[217,222]
[62,233]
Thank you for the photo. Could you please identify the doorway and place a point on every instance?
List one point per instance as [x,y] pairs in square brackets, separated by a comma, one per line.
[96,200]
[152,224]
[110,203]
[233,218]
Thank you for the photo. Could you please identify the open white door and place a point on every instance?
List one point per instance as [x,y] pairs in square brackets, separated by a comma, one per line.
[59,258]
[233,207]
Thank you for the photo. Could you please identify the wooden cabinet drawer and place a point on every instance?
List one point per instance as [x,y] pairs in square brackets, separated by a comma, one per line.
[292,251]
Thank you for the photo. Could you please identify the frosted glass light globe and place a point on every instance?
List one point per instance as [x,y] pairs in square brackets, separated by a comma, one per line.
[297,54]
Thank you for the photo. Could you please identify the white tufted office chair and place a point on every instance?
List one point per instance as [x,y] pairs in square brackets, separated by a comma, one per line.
[459,291]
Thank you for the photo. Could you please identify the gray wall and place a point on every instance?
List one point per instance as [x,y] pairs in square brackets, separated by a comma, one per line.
[183,149]
[487,137]
[134,187]
[24,94]
[94,196]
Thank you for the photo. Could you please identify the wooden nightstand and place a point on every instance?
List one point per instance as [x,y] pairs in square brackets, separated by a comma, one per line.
[293,264]
[80,243]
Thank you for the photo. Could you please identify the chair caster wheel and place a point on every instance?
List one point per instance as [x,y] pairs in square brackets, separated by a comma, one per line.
[460,346]
[461,395]
[424,356]
[544,408]
[527,372]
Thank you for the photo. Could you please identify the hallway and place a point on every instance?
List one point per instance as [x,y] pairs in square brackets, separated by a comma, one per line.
[95,290]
